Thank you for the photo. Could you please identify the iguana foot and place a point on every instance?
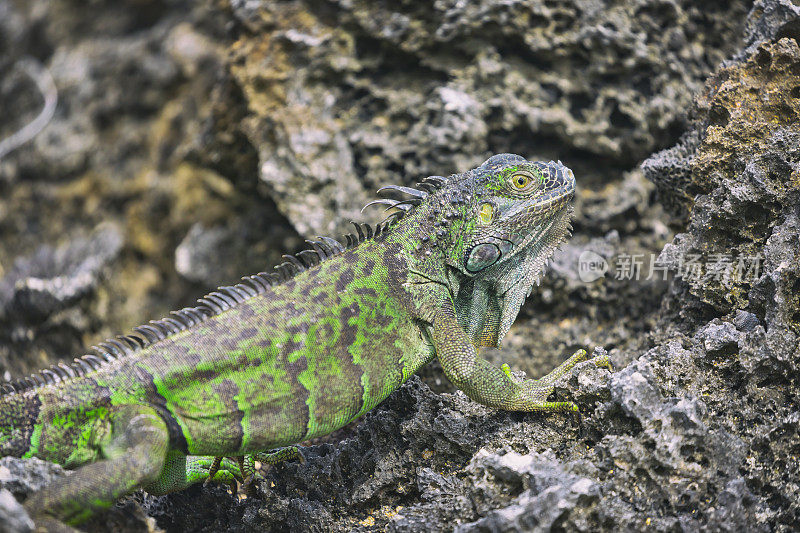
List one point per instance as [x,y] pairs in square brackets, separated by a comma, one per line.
[244,468]
[578,357]
[602,361]
[532,393]
[248,462]
[213,469]
[221,470]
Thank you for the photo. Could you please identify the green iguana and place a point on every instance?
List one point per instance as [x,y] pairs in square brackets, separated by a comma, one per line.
[287,356]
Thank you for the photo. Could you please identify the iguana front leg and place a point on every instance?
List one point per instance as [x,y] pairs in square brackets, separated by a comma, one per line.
[484,382]
[133,456]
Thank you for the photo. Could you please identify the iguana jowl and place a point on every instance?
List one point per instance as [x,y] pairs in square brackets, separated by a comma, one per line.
[285,357]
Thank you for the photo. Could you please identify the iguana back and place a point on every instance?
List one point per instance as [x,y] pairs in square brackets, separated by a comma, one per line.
[300,359]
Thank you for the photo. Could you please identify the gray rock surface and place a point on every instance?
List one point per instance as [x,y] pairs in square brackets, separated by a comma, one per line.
[212,135]
[13,518]
[22,477]
[40,295]
[53,279]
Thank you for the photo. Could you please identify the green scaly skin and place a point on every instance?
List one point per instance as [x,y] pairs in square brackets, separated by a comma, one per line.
[297,358]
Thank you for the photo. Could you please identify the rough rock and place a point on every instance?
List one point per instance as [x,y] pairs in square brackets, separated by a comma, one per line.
[362,94]
[22,477]
[40,295]
[745,173]
[13,518]
[53,279]
[550,491]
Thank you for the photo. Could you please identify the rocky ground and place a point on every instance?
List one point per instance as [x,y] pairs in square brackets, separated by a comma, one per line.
[195,142]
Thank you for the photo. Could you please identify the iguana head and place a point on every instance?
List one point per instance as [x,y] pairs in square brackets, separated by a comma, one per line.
[517,206]
[486,234]
[516,213]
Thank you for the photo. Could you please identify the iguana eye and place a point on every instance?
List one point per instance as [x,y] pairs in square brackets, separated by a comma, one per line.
[486,213]
[522,181]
